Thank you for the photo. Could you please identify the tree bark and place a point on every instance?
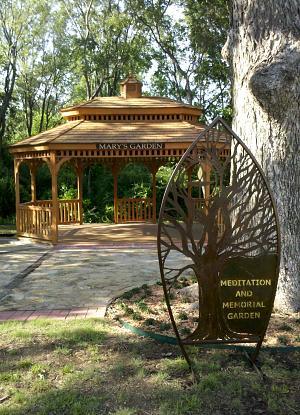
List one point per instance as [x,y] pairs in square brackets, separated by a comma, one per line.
[263,47]
[9,84]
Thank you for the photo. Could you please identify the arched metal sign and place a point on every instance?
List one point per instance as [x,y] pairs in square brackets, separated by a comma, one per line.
[219,217]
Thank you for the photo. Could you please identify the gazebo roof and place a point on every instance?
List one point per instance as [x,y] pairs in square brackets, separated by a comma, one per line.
[88,132]
[119,102]
[130,117]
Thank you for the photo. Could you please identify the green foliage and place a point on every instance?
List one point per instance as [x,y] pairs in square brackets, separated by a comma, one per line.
[66,192]
[105,46]
[57,53]
[90,215]
[283,339]
[208,25]
[51,368]
[129,294]
[43,182]
[25,191]
[183,316]
[7,197]
[162,177]
[150,322]
[142,306]
[164,326]
[134,181]
[186,39]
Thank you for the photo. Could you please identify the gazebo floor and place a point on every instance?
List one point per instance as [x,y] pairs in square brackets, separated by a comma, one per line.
[107,234]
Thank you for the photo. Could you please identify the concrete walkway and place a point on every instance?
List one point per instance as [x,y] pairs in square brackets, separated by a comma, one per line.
[65,281]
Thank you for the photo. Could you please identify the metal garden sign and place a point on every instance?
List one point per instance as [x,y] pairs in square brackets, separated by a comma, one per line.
[218,215]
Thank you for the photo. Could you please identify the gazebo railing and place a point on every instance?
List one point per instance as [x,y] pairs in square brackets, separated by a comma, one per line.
[34,221]
[42,203]
[135,210]
[69,211]
[35,218]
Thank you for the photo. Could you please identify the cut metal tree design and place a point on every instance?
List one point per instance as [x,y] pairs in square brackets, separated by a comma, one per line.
[218,214]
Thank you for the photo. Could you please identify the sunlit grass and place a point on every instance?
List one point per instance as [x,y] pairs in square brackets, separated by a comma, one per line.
[86,367]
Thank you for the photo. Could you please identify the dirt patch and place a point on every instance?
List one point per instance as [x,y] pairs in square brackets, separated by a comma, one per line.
[145,308]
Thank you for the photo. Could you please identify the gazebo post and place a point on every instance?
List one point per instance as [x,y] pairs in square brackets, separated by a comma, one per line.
[79,170]
[115,172]
[154,171]
[33,169]
[17,193]
[55,211]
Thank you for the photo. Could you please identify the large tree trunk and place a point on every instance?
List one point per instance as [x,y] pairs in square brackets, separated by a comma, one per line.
[264,49]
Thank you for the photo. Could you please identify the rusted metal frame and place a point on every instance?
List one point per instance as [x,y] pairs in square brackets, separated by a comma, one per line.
[259,344]
[165,289]
[160,231]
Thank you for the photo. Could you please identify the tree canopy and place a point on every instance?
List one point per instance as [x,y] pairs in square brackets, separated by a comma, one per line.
[56,54]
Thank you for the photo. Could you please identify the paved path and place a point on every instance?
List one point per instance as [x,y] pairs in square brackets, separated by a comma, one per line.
[107,233]
[66,281]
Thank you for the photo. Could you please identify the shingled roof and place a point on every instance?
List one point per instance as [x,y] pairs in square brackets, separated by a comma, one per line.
[126,118]
[87,132]
[122,103]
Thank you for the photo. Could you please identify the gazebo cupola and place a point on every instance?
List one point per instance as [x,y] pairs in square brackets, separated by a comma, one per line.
[112,130]
[131,88]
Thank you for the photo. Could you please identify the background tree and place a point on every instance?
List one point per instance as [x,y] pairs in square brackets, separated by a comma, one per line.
[105,45]
[56,54]
[188,62]
[13,20]
[264,49]
[208,23]
[42,83]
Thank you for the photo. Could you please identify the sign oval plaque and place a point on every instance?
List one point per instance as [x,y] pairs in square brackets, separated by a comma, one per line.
[218,234]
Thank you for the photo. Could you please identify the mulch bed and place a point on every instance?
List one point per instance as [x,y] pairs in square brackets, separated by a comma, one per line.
[145,308]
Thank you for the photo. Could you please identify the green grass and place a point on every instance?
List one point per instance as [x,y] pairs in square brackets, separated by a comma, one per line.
[142,306]
[7,230]
[282,339]
[285,327]
[87,367]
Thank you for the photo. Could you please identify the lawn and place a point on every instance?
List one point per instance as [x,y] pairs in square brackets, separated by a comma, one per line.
[7,230]
[92,366]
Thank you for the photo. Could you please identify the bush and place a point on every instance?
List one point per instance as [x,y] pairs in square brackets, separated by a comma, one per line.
[90,213]
[7,198]
[66,192]
[108,216]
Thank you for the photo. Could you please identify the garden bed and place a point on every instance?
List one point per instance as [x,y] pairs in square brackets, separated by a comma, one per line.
[145,308]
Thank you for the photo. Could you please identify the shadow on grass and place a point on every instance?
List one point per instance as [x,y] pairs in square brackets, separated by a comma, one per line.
[97,388]
[99,369]
[39,343]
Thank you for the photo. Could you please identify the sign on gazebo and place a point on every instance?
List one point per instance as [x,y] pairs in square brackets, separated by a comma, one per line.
[219,216]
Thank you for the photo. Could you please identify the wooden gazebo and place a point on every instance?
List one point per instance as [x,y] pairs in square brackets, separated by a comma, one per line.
[114,130]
